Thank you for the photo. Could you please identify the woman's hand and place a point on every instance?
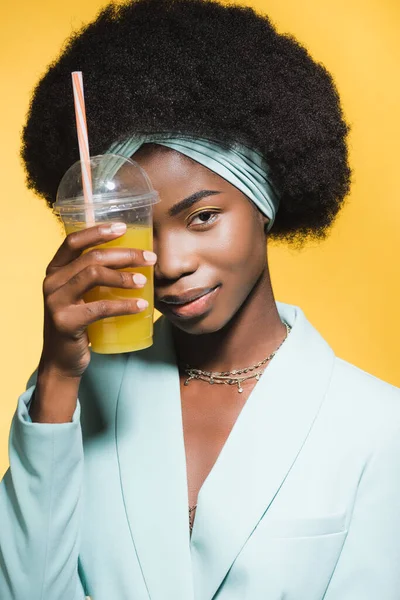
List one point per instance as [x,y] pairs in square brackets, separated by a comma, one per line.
[71,274]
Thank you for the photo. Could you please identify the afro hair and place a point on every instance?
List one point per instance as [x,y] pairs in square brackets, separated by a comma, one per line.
[203,69]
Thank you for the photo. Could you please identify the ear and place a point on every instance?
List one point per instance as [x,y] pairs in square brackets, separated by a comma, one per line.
[263,220]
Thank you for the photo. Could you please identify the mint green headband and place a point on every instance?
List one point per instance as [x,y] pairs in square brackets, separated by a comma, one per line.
[243,167]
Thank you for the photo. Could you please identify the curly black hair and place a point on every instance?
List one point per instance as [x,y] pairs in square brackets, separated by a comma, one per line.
[198,68]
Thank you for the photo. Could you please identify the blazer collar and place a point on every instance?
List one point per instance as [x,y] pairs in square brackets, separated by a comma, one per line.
[152,464]
[257,457]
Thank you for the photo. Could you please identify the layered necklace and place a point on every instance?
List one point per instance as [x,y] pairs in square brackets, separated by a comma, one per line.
[235,377]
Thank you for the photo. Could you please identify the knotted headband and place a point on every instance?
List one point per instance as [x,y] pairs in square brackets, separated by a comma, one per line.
[241,166]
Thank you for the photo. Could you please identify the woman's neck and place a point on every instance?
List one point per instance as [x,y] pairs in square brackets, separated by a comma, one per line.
[252,334]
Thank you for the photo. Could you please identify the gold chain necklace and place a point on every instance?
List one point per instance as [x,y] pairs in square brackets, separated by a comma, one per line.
[226,378]
[191,509]
[231,377]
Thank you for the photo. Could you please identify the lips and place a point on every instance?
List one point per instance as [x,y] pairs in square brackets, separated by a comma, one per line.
[192,303]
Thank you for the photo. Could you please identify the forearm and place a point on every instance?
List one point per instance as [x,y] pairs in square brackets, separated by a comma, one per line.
[55,397]
[40,509]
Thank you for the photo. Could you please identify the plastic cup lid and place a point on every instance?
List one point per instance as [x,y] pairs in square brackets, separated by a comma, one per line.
[116,181]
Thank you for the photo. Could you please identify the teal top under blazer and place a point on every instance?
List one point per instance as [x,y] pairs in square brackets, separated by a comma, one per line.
[303,502]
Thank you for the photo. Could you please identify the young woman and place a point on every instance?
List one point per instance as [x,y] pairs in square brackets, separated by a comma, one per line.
[237,458]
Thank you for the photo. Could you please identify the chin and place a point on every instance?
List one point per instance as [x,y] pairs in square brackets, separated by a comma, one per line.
[205,324]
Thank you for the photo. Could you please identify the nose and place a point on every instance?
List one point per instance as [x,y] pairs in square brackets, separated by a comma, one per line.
[175,257]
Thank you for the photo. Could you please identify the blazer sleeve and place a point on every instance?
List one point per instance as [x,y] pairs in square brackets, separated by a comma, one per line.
[369,564]
[40,508]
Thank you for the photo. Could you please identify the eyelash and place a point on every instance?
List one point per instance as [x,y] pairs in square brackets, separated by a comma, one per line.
[203,212]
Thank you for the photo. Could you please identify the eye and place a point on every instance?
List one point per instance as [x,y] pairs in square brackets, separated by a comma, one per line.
[205,217]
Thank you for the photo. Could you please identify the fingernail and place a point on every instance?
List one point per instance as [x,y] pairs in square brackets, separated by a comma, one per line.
[149,256]
[117,227]
[139,279]
[142,304]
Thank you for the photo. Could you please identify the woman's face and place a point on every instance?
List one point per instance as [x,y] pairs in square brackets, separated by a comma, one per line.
[209,239]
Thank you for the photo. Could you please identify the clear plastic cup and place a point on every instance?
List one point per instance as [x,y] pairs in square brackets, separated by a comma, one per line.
[121,192]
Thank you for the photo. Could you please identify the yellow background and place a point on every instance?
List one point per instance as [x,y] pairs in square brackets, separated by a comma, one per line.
[348,286]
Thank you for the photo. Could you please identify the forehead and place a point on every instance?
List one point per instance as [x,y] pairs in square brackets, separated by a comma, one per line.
[173,174]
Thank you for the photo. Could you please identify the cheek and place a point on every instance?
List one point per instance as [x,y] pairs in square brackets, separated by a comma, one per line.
[237,245]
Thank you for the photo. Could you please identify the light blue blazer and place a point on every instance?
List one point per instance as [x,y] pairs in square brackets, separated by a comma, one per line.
[303,502]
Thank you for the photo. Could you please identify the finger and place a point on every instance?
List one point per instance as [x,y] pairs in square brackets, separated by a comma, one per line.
[90,277]
[78,241]
[113,258]
[75,319]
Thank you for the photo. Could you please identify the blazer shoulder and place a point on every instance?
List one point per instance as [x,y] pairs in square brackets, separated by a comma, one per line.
[365,399]
[348,373]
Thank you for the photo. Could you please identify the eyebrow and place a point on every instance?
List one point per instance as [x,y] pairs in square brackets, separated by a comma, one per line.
[189,201]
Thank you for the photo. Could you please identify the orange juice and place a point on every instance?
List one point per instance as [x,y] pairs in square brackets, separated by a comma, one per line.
[124,333]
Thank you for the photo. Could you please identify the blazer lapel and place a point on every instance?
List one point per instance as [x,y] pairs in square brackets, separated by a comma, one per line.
[153,469]
[260,451]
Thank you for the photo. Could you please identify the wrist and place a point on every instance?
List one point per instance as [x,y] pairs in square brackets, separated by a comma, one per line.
[55,396]
[50,372]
